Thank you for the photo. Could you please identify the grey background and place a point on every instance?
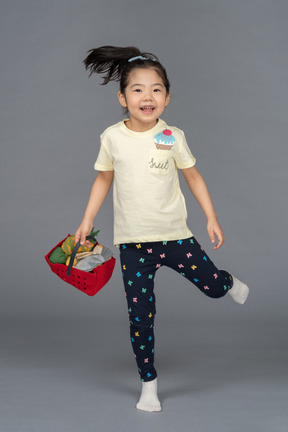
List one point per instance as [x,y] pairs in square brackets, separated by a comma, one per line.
[66,360]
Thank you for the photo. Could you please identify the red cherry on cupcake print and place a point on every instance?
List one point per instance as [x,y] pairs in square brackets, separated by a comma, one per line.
[167,132]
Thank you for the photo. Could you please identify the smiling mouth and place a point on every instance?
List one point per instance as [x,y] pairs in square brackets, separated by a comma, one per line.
[147,109]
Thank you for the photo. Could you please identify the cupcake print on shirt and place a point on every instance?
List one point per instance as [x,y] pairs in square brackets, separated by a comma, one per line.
[164,140]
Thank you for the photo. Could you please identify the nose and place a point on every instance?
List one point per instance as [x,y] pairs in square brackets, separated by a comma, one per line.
[148,95]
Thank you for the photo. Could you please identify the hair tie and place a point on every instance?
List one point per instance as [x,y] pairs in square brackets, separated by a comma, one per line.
[137,58]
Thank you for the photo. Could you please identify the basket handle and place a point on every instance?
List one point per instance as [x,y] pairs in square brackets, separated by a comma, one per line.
[74,252]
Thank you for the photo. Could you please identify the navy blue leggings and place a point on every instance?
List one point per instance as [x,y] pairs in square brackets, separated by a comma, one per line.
[139,264]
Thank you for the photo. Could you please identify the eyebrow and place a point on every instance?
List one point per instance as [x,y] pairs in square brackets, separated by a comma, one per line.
[142,85]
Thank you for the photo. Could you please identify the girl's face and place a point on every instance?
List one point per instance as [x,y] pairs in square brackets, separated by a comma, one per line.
[145,98]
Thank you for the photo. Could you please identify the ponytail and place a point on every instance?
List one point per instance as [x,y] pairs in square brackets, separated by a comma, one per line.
[113,62]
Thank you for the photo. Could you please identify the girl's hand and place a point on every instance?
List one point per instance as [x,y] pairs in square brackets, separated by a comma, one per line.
[82,232]
[213,229]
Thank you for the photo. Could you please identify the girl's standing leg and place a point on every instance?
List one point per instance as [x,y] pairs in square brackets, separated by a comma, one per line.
[138,276]
[139,268]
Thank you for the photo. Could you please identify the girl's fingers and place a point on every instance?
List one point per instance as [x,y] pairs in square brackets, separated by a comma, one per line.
[212,237]
[216,231]
[83,239]
[221,240]
[211,233]
[80,235]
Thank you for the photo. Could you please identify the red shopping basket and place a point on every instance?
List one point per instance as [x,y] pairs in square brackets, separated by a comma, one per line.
[87,282]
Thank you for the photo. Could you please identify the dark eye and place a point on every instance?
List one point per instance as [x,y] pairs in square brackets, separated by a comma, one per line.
[137,90]
[157,90]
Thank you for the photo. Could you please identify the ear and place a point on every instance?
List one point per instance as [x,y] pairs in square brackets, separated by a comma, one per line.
[122,99]
[167,99]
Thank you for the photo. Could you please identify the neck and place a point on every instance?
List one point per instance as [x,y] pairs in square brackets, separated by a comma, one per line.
[140,127]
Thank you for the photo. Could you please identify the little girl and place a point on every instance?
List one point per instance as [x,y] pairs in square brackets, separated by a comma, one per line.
[142,154]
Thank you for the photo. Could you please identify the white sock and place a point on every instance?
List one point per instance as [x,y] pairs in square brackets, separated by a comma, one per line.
[149,399]
[239,291]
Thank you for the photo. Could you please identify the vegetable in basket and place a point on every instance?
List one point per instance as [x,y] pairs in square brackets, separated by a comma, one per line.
[58,256]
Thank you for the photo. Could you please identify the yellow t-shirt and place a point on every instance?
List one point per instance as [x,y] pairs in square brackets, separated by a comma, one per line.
[148,202]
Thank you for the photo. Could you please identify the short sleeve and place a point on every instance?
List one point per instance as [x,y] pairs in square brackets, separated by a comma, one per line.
[104,160]
[183,156]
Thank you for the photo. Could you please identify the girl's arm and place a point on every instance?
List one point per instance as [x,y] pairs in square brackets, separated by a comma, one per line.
[199,189]
[99,192]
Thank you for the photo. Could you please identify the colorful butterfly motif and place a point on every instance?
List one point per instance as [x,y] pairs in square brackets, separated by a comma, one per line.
[189,255]
[138,246]
[162,256]
[149,250]
[193,267]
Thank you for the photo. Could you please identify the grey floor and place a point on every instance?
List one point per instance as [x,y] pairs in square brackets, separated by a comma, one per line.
[80,376]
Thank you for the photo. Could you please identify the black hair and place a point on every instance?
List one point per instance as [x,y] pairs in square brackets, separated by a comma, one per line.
[113,61]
